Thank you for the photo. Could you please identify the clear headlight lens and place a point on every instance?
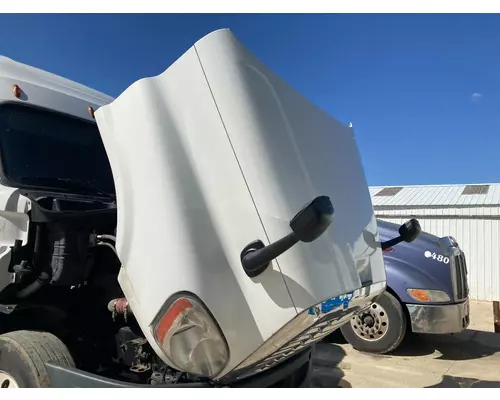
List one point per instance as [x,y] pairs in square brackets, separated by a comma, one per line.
[428,295]
[190,338]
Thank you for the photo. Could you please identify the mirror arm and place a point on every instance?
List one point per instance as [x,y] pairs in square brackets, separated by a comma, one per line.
[391,242]
[255,256]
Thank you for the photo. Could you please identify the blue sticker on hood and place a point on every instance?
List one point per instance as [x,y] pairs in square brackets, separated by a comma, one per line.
[331,304]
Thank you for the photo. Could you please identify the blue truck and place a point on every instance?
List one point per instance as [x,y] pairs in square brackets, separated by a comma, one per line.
[427,292]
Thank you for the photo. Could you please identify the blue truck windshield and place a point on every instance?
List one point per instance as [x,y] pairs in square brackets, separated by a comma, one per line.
[45,149]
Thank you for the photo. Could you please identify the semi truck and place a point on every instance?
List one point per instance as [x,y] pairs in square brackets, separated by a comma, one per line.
[195,231]
[427,293]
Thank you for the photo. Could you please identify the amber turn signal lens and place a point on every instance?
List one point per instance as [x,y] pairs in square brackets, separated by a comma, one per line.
[179,307]
[429,295]
[419,294]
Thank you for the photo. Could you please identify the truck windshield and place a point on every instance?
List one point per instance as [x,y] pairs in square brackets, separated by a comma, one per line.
[46,149]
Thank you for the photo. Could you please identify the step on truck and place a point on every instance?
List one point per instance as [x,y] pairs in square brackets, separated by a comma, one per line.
[161,238]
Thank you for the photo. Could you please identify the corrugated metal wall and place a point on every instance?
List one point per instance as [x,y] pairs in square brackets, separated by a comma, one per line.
[477,230]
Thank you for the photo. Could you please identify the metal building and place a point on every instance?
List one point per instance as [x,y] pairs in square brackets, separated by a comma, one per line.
[469,213]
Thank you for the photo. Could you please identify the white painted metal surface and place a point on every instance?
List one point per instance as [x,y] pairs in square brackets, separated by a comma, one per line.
[14,225]
[213,154]
[43,89]
[474,221]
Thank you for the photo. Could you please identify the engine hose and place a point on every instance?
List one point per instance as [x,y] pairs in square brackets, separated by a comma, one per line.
[108,245]
[107,237]
[33,287]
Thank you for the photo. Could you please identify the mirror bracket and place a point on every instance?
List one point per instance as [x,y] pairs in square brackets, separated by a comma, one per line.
[252,270]
[408,232]
[307,225]
[256,256]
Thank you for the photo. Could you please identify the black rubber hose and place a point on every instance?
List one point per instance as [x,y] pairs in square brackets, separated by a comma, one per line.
[33,287]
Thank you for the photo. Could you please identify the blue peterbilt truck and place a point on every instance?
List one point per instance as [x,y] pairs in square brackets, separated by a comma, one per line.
[427,292]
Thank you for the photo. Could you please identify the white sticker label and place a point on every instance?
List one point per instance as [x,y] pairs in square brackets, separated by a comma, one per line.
[437,257]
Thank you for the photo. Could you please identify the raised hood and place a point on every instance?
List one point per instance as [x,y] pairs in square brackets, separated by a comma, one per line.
[213,154]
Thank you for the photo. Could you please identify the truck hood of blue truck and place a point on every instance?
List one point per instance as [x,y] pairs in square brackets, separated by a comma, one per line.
[416,265]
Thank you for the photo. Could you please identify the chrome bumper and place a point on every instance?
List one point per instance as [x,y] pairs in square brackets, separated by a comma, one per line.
[441,319]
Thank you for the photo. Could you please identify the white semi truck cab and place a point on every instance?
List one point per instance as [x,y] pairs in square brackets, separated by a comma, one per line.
[205,228]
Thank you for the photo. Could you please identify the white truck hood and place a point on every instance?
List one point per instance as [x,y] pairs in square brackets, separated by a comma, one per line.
[213,154]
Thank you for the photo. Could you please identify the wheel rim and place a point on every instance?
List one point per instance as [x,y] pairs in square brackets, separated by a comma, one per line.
[7,381]
[372,324]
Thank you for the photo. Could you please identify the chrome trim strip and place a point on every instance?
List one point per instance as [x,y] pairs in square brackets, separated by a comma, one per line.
[307,328]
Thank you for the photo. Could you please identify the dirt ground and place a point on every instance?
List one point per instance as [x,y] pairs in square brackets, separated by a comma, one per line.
[468,359]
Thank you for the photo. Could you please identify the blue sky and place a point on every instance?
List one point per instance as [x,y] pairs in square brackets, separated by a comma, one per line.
[423,91]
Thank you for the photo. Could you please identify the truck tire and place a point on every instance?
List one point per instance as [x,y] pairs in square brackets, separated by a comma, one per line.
[23,355]
[380,329]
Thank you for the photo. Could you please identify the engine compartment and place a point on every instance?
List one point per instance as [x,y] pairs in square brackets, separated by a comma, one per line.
[64,277]
[63,247]
[67,237]
[65,282]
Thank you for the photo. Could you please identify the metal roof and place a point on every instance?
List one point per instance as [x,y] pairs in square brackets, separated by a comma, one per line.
[445,195]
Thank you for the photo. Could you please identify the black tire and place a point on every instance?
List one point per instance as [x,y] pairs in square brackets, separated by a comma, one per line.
[396,328]
[23,355]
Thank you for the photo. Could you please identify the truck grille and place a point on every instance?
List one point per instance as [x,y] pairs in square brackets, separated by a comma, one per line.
[307,328]
[459,274]
[312,335]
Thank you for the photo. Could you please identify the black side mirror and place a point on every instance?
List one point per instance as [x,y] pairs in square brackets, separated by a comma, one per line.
[313,219]
[307,225]
[408,232]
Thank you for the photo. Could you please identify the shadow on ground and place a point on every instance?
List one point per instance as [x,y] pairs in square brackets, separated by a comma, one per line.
[327,364]
[336,337]
[458,382]
[469,345]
